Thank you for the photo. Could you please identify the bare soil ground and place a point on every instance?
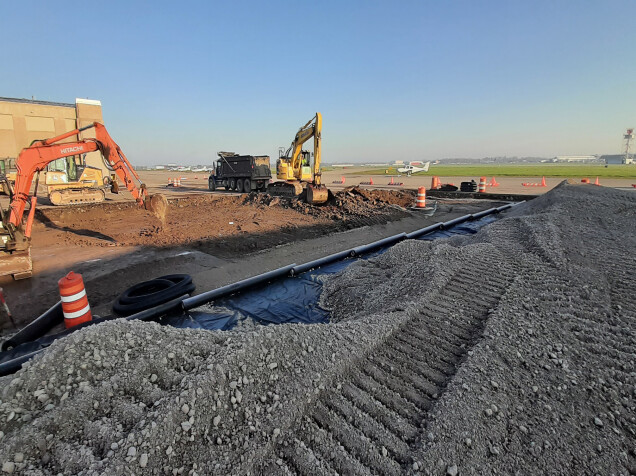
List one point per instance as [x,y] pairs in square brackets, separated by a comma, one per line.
[507,352]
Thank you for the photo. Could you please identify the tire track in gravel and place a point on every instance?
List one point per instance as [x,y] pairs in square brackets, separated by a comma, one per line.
[370,423]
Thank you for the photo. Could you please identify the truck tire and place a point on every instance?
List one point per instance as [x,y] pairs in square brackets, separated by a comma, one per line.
[239,185]
[211,185]
[247,186]
[232,184]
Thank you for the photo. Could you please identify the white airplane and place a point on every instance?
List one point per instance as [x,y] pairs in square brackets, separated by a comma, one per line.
[413,167]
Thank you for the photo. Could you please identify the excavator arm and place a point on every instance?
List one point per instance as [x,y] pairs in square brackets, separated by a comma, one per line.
[35,158]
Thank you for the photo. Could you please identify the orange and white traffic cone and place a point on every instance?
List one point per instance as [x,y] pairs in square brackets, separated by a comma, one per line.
[420,202]
[371,181]
[596,182]
[74,300]
[482,185]
[543,184]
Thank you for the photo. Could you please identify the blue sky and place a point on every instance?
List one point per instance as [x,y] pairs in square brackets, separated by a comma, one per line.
[408,80]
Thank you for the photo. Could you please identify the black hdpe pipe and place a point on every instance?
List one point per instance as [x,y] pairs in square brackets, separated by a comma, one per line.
[37,328]
[507,206]
[455,221]
[423,231]
[203,298]
[317,263]
[14,365]
[483,213]
[378,244]
[157,310]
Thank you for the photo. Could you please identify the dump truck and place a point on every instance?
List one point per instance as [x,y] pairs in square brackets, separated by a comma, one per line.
[240,173]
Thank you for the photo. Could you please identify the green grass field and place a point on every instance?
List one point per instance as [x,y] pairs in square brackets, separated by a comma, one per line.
[525,170]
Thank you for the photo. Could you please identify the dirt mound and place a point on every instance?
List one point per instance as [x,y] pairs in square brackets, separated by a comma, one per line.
[506,352]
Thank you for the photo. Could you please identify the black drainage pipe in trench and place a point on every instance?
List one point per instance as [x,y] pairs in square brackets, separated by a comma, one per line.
[203,298]
[423,231]
[357,251]
[317,263]
[455,221]
[158,310]
[477,216]
[37,328]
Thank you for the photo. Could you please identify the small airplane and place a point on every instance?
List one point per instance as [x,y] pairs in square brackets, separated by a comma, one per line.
[413,167]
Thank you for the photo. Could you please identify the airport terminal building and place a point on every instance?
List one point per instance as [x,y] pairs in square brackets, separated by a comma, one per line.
[24,120]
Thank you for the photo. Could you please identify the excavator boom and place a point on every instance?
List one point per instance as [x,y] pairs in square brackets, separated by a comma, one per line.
[36,157]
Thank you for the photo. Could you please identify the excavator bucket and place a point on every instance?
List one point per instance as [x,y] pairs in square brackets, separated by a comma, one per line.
[157,204]
[317,194]
[17,264]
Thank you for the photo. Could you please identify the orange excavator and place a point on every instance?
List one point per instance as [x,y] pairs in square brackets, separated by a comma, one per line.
[15,237]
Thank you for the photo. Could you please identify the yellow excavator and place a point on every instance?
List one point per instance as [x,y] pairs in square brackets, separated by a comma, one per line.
[70,181]
[293,166]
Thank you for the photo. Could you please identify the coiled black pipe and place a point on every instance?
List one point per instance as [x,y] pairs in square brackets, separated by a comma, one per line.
[149,294]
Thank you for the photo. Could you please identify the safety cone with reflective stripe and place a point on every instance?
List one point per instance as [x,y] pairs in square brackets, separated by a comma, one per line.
[74,300]
[482,185]
[421,198]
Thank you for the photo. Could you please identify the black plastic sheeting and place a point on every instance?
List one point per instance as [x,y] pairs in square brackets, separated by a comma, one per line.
[291,299]
[272,298]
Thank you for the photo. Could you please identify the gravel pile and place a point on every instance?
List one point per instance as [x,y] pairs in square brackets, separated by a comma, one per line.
[543,381]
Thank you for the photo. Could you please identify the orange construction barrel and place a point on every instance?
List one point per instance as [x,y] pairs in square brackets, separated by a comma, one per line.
[74,300]
[482,185]
[421,198]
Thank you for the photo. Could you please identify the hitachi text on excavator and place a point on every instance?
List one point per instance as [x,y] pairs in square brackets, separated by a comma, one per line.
[15,236]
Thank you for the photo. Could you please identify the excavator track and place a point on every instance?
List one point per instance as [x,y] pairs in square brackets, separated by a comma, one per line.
[372,421]
[77,196]
[285,189]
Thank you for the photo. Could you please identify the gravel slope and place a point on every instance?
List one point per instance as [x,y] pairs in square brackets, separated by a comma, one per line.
[508,352]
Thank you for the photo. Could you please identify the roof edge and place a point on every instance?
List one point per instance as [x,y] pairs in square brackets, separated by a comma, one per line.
[35,101]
